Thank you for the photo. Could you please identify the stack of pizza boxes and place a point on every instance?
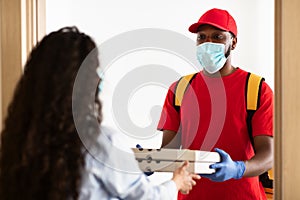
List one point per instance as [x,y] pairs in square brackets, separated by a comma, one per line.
[168,160]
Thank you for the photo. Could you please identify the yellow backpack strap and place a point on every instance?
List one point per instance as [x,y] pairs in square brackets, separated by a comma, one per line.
[181,88]
[252,93]
[253,88]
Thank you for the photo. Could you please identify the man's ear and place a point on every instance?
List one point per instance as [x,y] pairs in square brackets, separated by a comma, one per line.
[234,41]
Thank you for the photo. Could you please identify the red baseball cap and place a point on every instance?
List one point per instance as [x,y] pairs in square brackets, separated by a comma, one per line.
[218,18]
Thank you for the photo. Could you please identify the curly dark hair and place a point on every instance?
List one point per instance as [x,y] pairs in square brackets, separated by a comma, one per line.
[42,155]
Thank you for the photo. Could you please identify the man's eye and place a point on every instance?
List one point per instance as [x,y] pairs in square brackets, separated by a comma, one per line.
[218,37]
[201,37]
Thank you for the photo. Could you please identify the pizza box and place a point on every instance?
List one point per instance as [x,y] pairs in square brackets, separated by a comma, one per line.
[171,166]
[176,155]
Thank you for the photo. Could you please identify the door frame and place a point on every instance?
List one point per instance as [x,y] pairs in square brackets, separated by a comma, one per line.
[22,25]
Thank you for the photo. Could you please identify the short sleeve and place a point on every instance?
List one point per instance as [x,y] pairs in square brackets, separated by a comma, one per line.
[170,117]
[262,121]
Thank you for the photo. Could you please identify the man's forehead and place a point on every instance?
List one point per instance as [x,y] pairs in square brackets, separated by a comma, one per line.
[204,27]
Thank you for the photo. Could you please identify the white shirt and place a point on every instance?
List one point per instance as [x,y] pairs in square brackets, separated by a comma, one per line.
[111,172]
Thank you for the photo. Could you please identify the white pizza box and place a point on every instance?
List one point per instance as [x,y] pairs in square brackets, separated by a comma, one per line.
[176,155]
[171,166]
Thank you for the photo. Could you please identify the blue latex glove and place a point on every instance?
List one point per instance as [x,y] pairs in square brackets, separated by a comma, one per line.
[226,169]
[141,148]
[148,173]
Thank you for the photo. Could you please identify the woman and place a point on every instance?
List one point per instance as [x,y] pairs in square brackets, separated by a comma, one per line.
[51,147]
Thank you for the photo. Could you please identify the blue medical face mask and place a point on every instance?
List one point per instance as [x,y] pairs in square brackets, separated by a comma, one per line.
[100,87]
[101,76]
[211,56]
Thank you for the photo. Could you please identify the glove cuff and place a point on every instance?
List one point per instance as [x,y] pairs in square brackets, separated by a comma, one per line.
[241,167]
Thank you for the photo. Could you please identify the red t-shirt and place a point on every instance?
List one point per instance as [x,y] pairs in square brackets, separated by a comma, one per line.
[213,114]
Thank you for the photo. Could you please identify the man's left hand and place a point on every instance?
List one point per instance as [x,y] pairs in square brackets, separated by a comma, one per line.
[226,169]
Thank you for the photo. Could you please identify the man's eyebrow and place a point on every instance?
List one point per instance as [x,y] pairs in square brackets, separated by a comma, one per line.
[215,31]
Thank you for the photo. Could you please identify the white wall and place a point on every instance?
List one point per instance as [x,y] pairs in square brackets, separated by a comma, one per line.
[106,19]
[134,61]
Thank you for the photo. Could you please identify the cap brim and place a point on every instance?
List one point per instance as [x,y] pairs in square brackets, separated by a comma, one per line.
[194,27]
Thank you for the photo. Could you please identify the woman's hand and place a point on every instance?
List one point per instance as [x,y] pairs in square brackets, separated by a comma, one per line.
[183,179]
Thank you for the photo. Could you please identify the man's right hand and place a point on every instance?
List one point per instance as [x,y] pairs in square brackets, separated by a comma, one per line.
[141,148]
